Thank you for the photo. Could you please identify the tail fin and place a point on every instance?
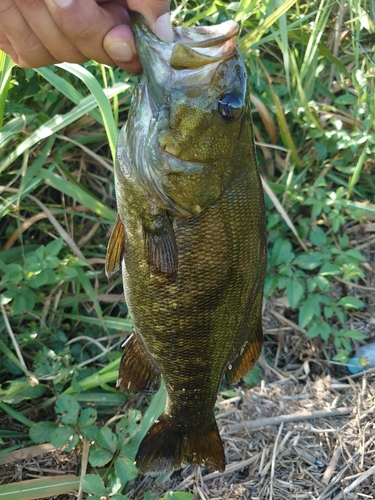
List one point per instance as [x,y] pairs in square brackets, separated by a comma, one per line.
[169,445]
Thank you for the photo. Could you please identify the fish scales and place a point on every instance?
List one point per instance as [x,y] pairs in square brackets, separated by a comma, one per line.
[190,238]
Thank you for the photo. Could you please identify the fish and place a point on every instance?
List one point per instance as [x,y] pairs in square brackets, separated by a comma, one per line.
[190,237]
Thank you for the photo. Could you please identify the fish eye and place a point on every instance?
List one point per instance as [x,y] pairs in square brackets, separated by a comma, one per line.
[230,106]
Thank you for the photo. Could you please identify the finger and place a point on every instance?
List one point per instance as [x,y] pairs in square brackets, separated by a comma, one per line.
[156,14]
[7,47]
[30,52]
[120,46]
[42,23]
[85,24]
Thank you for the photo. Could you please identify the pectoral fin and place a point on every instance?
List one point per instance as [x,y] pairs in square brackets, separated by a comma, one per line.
[115,250]
[160,246]
[137,373]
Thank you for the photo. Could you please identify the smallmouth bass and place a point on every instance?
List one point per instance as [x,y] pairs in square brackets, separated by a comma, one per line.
[190,237]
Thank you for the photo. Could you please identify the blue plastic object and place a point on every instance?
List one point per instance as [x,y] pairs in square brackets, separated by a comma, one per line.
[363,359]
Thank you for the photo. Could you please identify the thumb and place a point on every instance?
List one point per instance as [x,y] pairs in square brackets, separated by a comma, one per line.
[156,14]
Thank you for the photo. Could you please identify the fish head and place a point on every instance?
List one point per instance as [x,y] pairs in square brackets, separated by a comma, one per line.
[194,99]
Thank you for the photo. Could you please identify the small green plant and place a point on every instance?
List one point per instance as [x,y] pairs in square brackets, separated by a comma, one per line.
[308,278]
[111,447]
[25,285]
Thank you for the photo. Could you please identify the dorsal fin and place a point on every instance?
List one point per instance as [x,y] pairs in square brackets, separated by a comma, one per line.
[115,249]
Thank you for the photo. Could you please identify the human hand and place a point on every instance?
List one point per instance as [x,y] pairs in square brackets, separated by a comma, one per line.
[38,33]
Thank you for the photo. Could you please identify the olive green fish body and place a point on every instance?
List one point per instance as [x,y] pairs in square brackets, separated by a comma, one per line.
[191,239]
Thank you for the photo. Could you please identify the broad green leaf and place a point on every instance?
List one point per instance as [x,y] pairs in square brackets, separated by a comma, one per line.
[306,313]
[53,249]
[253,378]
[107,439]
[89,432]
[94,485]
[62,435]
[329,269]
[308,261]
[281,252]
[68,409]
[178,495]
[20,389]
[355,254]
[99,457]
[317,236]
[355,335]
[125,469]
[41,431]
[127,427]
[341,356]
[270,285]
[350,302]
[87,417]
[295,290]
[18,304]
[150,495]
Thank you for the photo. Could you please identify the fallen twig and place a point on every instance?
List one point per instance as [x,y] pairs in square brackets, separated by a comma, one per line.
[264,422]
[355,483]
[331,466]
[274,459]
[26,453]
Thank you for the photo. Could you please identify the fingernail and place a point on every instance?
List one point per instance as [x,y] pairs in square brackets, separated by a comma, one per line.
[163,28]
[120,51]
[63,4]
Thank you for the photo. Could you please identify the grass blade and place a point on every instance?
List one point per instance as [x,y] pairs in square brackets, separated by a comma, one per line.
[76,192]
[16,415]
[256,34]
[85,282]
[6,65]
[67,90]
[58,122]
[40,488]
[357,171]
[120,324]
[91,82]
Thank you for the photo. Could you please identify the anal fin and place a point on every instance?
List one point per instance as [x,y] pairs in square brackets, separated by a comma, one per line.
[170,444]
[246,359]
[137,373]
[160,246]
[115,250]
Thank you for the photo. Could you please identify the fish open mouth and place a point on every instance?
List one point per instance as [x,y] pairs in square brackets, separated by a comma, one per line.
[196,47]
[193,56]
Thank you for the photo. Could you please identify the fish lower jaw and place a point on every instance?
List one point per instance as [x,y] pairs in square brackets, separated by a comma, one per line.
[175,164]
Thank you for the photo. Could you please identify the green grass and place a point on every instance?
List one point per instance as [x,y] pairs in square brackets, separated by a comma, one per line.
[311,66]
